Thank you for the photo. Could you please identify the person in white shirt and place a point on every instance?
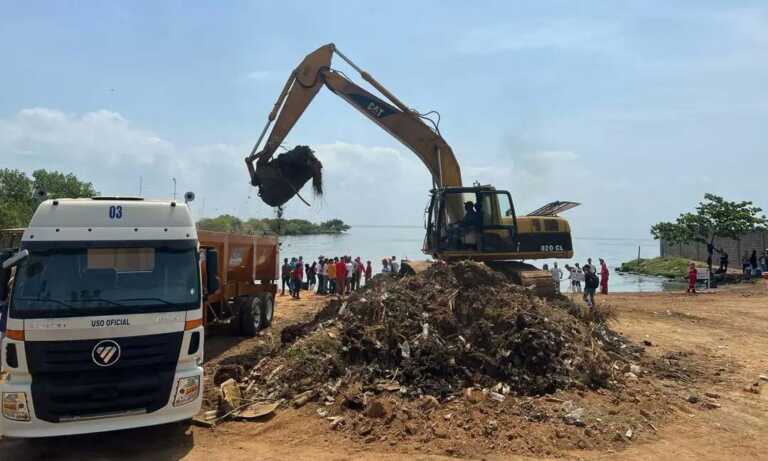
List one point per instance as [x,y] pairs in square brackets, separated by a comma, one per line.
[394,267]
[350,271]
[557,276]
[578,277]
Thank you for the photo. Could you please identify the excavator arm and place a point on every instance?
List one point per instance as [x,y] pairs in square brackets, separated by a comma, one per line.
[397,119]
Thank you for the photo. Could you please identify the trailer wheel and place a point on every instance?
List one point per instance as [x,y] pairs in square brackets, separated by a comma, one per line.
[268,311]
[251,315]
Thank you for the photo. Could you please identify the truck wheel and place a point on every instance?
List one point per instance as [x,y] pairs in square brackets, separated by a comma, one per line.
[268,311]
[251,315]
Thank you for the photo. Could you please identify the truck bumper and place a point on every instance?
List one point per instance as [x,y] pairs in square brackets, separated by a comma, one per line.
[38,428]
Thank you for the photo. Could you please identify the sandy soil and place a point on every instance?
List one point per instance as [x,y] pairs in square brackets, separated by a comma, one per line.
[722,336]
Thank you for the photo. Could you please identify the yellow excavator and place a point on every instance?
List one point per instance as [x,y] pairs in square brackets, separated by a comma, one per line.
[477,223]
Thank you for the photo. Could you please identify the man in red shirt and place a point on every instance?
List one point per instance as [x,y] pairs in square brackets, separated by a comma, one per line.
[604,272]
[693,274]
[368,272]
[341,275]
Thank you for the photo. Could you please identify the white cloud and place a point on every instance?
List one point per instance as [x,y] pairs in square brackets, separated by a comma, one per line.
[364,184]
[105,148]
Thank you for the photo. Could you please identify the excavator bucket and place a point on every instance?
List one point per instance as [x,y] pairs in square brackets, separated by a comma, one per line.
[281,178]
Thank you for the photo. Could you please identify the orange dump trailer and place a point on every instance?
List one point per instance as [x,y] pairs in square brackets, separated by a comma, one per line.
[248,268]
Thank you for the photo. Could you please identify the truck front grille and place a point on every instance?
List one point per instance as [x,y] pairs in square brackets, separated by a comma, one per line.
[67,384]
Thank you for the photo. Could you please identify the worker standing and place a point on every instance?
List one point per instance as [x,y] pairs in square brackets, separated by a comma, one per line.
[311,275]
[394,266]
[350,268]
[723,262]
[341,276]
[358,275]
[557,276]
[604,273]
[285,277]
[591,282]
[693,274]
[368,272]
[331,270]
[321,276]
[296,276]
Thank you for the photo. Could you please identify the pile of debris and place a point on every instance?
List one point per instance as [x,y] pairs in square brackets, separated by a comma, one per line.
[453,331]
[464,324]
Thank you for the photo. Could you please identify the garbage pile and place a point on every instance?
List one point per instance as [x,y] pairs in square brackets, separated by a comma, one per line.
[433,336]
[283,177]
[464,324]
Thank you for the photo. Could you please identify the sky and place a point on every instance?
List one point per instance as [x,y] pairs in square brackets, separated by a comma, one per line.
[634,109]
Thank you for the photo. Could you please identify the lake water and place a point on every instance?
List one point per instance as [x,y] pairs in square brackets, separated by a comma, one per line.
[375,242]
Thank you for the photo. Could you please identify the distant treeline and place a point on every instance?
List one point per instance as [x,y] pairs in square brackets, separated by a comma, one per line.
[229,223]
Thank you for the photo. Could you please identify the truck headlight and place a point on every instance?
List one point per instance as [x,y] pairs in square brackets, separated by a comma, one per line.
[15,406]
[187,390]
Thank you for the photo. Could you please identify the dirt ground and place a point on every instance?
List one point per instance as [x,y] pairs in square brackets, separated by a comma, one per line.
[719,341]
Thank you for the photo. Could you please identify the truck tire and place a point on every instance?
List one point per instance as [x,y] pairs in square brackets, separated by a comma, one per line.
[251,315]
[268,311]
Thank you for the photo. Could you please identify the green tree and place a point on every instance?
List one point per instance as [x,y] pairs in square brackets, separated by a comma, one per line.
[17,201]
[59,185]
[714,217]
[335,226]
[271,226]
[222,223]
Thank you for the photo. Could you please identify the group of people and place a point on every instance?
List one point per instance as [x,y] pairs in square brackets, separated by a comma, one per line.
[390,266]
[586,274]
[754,265]
[328,275]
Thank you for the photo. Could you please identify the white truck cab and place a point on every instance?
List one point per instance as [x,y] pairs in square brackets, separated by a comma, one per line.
[103,321]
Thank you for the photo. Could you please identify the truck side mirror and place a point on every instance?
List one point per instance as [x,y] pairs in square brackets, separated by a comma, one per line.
[211,271]
[15,259]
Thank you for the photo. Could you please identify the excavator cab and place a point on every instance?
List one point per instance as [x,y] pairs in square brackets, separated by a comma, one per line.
[470,222]
[481,223]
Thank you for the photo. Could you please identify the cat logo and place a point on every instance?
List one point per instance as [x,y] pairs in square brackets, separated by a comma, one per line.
[106,353]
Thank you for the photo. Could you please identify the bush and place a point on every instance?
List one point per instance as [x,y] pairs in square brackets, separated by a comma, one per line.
[671,267]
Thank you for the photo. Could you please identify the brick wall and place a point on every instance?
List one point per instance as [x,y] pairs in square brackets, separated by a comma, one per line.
[735,248]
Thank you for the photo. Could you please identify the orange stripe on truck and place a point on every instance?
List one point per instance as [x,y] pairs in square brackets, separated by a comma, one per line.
[16,335]
[192,324]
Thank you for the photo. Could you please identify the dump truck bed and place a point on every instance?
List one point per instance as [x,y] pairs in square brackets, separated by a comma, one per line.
[248,265]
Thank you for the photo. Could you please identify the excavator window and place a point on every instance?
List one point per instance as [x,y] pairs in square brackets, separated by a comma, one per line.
[486,208]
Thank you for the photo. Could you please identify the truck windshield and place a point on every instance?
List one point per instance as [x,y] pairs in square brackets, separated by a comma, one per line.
[66,280]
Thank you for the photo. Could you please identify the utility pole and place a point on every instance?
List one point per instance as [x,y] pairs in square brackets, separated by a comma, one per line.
[141,184]
[174,189]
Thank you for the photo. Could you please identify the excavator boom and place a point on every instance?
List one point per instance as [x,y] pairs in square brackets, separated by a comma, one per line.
[406,125]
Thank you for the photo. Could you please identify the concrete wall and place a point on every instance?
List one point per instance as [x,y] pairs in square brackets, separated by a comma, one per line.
[735,248]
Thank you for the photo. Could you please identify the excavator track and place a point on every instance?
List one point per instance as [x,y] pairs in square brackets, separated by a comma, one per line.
[527,275]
